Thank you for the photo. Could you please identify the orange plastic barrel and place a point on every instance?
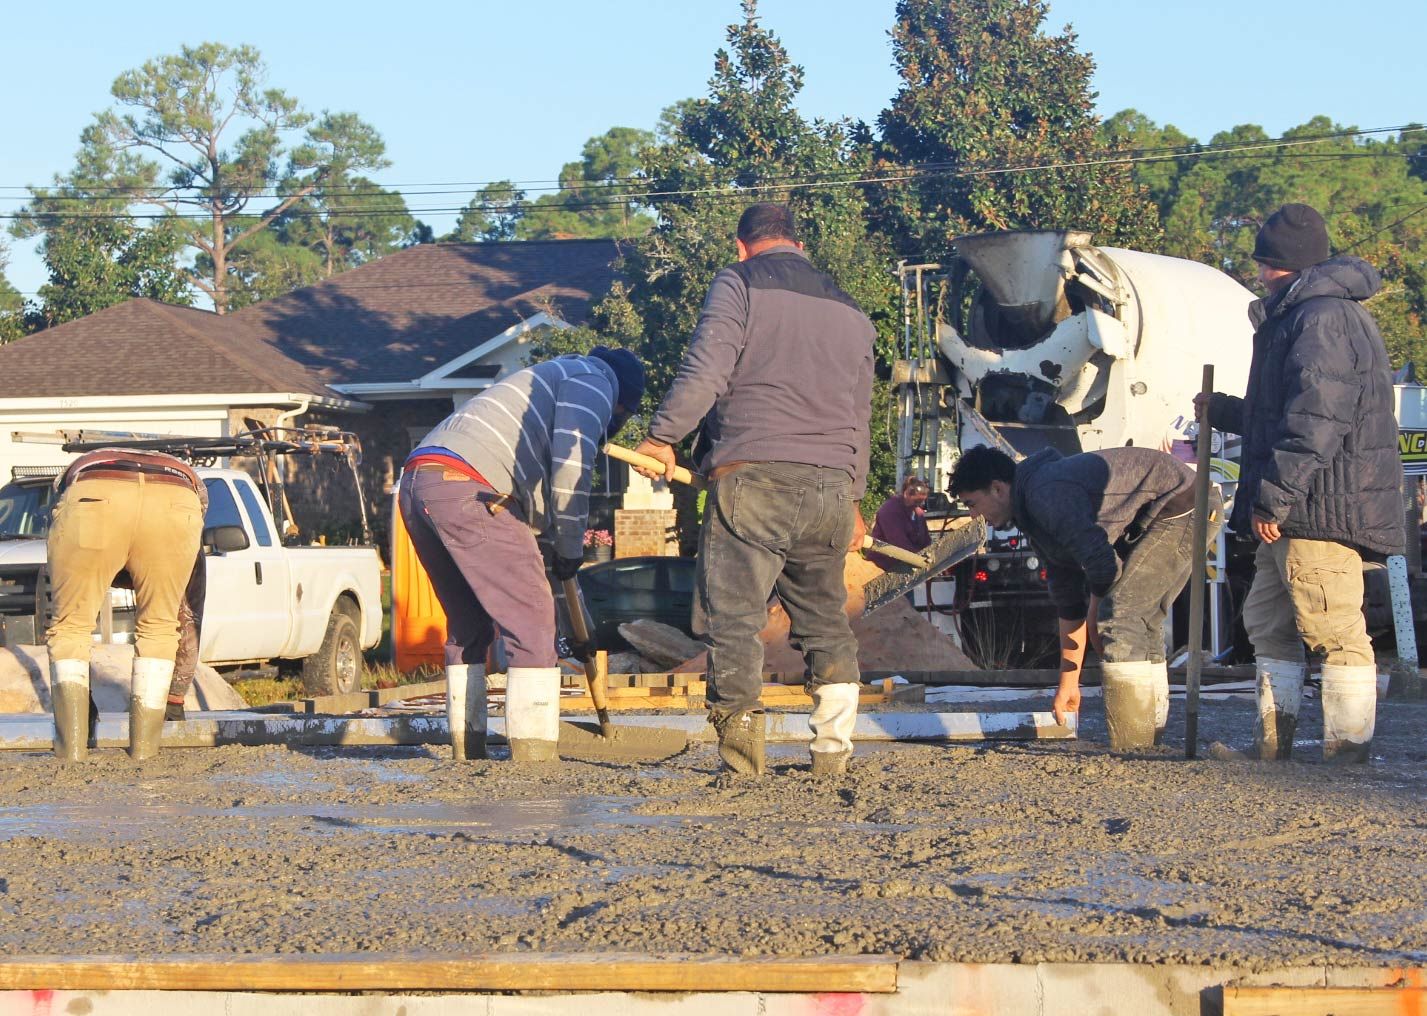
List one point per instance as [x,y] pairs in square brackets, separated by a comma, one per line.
[418,624]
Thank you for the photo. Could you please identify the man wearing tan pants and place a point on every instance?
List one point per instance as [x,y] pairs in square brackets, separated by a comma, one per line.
[1320,481]
[140,512]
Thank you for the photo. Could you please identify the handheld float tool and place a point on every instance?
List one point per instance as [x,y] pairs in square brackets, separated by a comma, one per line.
[1198,574]
[608,742]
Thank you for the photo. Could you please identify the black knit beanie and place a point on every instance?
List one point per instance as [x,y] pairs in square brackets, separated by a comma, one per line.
[628,372]
[1294,238]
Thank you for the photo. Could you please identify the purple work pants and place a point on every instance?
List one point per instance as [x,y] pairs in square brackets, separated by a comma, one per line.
[484,565]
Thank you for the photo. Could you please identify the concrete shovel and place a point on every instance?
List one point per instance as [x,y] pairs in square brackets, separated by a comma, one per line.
[621,743]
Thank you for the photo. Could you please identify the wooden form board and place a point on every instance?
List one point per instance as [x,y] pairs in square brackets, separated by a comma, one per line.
[684,696]
[486,972]
[1245,1001]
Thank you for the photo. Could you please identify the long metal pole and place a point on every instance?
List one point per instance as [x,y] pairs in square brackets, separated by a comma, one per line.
[1197,574]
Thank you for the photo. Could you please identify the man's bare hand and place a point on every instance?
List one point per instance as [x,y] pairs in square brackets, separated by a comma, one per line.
[859,531]
[1266,531]
[656,450]
[1067,703]
[1201,401]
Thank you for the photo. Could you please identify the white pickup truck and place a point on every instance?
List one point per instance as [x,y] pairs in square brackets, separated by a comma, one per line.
[314,606]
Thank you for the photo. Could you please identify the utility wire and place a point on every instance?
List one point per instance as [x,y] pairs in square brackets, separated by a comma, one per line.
[1192,150]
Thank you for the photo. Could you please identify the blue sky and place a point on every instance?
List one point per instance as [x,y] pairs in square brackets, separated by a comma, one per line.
[479,91]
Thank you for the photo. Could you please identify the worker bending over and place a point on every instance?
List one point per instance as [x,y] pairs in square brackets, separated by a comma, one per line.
[510,464]
[779,373]
[136,512]
[1115,529]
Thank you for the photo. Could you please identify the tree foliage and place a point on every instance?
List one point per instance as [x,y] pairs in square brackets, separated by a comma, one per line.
[1213,199]
[745,141]
[96,253]
[199,136]
[12,304]
[985,90]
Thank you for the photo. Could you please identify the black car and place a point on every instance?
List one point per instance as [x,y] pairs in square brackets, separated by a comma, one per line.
[630,588]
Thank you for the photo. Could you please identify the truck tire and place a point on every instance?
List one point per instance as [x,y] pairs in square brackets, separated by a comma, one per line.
[336,667]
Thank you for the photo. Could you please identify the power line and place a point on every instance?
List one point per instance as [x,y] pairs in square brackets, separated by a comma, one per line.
[894,175]
[1192,150]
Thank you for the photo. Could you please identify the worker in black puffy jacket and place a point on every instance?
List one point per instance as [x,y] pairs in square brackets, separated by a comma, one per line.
[1320,480]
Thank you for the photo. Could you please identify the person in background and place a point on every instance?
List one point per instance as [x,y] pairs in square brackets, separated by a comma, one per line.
[902,521]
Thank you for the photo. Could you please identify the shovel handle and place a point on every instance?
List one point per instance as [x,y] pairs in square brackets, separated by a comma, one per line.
[597,681]
[629,455]
[910,557]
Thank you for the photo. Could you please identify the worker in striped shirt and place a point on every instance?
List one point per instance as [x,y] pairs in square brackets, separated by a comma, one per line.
[503,476]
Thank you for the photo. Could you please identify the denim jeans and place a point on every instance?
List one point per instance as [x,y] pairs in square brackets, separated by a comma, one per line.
[772,527]
[1155,569]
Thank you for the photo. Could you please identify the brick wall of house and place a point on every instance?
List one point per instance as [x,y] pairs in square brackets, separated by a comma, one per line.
[646,532]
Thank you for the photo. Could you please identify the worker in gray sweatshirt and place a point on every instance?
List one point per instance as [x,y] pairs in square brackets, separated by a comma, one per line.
[779,372]
[509,466]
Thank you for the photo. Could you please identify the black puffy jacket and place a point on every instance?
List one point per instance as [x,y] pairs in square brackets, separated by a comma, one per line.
[1320,438]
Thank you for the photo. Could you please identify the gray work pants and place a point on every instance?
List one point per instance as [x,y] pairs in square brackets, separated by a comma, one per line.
[774,526]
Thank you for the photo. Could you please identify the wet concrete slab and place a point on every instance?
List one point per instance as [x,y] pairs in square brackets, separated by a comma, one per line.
[1019,852]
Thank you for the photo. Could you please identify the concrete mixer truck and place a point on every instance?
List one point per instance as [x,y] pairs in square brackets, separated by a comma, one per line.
[1028,340]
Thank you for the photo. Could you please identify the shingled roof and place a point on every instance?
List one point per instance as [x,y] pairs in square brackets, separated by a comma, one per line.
[143,347]
[404,315]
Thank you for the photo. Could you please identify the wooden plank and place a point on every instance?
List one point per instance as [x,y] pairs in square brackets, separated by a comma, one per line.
[482,972]
[1035,678]
[1247,1001]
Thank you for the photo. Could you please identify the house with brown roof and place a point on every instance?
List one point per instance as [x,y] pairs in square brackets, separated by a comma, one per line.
[147,367]
[385,350]
[418,332]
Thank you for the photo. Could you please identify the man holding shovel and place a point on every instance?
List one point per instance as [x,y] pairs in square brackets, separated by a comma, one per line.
[779,372]
[511,463]
[1115,528]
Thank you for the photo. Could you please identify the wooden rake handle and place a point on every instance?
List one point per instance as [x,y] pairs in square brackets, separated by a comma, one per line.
[692,479]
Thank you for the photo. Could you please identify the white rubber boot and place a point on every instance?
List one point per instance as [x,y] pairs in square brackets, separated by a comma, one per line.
[532,713]
[466,713]
[69,699]
[834,716]
[1159,675]
[1278,690]
[1349,712]
[1129,692]
[148,698]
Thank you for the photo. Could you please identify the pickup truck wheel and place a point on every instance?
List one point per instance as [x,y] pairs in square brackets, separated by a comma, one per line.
[336,667]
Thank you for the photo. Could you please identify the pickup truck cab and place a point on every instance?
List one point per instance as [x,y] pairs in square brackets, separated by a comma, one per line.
[316,607]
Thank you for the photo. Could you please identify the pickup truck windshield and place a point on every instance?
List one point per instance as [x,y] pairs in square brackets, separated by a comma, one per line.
[24,511]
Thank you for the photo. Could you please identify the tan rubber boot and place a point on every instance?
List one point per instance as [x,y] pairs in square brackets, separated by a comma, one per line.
[1129,692]
[1278,692]
[1159,685]
[148,698]
[1349,712]
[741,740]
[834,716]
[69,698]
[532,713]
[466,712]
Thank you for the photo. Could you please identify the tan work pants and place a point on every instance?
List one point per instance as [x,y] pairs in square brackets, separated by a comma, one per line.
[102,526]
[1308,593]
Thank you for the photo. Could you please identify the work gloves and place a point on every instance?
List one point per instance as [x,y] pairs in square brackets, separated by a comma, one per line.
[566,567]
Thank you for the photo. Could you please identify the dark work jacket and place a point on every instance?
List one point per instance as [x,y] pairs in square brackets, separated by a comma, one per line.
[1075,508]
[1319,453]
